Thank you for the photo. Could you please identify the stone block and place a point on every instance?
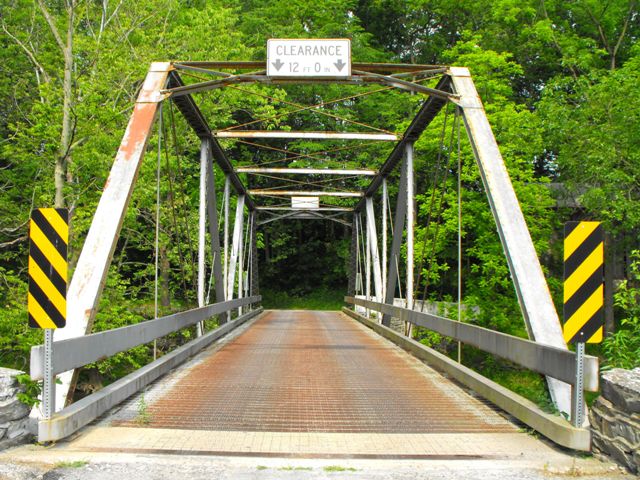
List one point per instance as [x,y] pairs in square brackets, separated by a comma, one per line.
[622,388]
[621,452]
[14,415]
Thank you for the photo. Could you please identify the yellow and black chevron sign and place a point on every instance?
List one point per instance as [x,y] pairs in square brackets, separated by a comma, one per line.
[583,282]
[47,299]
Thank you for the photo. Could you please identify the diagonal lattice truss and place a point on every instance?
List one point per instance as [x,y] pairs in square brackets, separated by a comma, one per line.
[285,168]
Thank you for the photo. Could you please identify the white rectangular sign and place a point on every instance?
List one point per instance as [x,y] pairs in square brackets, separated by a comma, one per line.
[305,203]
[309,58]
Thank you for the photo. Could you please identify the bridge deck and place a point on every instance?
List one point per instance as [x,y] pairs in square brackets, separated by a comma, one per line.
[295,371]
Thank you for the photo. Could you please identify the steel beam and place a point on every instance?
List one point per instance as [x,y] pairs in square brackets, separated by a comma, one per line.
[290,209]
[202,221]
[410,222]
[531,287]
[386,68]
[235,246]
[255,277]
[396,242]
[302,193]
[305,171]
[353,259]
[385,137]
[96,255]
[214,232]
[373,245]
[226,233]
[385,207]
[407,85]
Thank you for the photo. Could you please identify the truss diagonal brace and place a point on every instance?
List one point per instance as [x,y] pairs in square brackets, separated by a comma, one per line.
[531,287]
[91,272]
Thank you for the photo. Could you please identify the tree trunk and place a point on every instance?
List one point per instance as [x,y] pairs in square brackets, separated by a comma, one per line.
[609,266]
[165,299]
[64,152]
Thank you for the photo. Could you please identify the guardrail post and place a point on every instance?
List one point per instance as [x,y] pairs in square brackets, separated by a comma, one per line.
[577,391]
[49,388]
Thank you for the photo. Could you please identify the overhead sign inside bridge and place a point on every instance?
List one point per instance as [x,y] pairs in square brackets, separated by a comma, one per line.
[309,58]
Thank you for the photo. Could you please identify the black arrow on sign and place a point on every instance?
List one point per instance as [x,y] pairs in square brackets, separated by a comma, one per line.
[340,65]
[278,64]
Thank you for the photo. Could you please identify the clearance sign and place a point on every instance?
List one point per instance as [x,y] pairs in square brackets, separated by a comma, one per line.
[309,57]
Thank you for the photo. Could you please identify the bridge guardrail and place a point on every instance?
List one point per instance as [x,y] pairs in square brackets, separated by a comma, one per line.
[544,359]
[80,351]
[97,346]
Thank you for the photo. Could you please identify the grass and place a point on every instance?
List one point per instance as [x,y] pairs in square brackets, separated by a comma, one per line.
[72,464]
[323,299]
[144,417]
[338,468]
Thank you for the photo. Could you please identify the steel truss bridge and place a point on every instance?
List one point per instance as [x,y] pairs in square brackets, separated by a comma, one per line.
[375,272]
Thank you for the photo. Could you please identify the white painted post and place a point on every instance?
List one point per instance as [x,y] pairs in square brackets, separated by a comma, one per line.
[227,191]
[385,206]
[372,235]
[202,228]
[410,224]
[235,246]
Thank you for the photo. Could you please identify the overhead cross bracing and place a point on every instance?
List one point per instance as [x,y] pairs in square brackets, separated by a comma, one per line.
[327,167]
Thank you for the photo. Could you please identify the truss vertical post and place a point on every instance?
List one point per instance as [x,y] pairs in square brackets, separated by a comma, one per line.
[202,220]
[91,271]
[255,279]
[531,287]
[353,259]
[410,225]
[241,261]
[235,246]
[385,207]
[372,235]
[396,242]
[214,231]
[367,258]
[227,191]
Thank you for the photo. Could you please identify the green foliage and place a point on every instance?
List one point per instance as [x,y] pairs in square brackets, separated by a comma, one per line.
[32,389]
[622,348]
[72,464]
[559,81]
[144,417]
[321,299]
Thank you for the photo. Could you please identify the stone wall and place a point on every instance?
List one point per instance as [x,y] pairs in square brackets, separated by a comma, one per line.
[615,418]
[14,415]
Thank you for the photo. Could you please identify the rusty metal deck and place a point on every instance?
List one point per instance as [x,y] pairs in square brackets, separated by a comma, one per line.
[304,371]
